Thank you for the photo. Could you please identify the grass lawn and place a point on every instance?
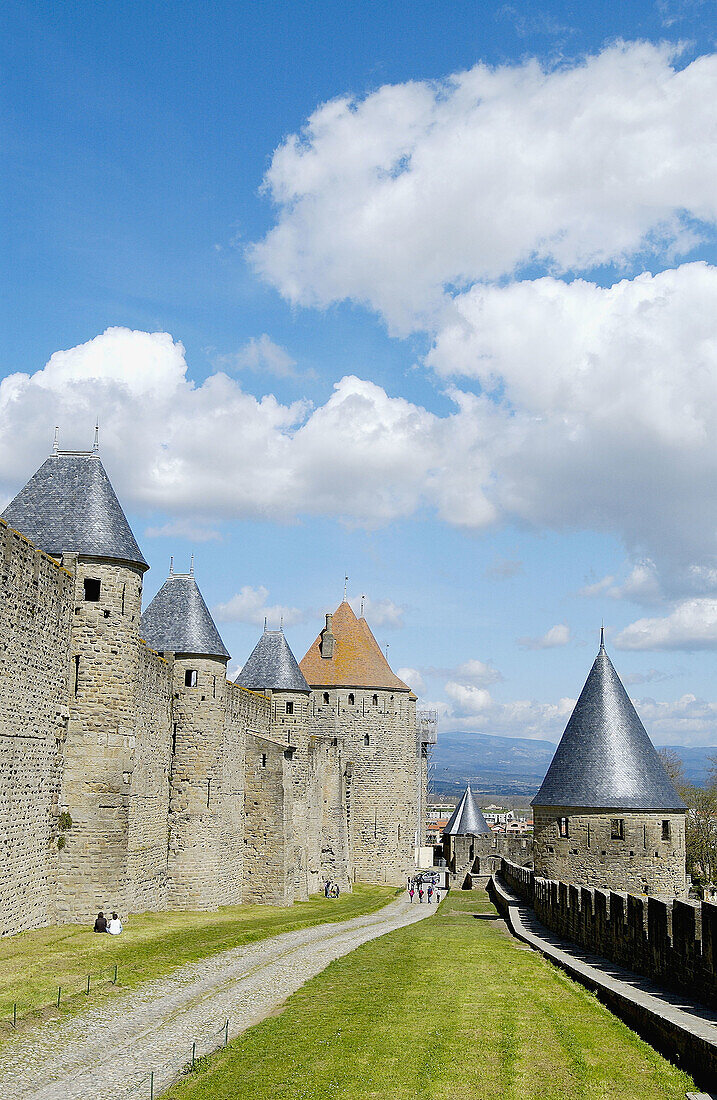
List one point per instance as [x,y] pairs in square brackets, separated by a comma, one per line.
[33,964]
[451,1008]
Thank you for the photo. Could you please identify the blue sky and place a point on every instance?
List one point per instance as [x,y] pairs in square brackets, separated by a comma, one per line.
[456,339]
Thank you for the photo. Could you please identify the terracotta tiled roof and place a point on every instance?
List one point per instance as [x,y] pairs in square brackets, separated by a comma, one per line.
[357,660]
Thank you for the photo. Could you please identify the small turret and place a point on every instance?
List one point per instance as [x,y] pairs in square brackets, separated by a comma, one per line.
[327,643]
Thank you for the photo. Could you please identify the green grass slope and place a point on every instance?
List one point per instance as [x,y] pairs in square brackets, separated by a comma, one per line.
[451,1008]
[33,964]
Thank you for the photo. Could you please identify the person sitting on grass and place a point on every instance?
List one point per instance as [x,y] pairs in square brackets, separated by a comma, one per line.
[115,926]
[101,923]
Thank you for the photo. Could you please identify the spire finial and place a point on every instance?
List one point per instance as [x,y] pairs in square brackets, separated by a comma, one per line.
[602,637]
[171,566]
[346,582]
[281,624]
[363,601]
[96,444]
[191,566]
[57,439]
[265,624]
[387,648]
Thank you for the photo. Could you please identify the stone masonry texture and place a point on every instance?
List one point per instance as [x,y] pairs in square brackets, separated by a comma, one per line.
[671,941]
[643,853]
[133,780]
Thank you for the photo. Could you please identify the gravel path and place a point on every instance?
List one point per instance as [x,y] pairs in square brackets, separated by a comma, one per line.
[153,1027]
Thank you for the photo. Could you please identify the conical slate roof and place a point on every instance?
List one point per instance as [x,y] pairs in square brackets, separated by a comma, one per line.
[70,507]
[605,759]
[272,666]
[467,819]
[357,659]
[178,620]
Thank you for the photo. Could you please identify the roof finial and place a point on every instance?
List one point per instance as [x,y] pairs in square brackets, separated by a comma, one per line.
[602,637]
[265,624]
[96,444]
[171,566]
[346,581]
[387,648]
[363,600]
[191,566]
[281,624]
[55,444]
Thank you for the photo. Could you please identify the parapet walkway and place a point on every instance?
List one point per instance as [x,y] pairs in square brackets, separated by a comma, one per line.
[683,1030]
[152,1028]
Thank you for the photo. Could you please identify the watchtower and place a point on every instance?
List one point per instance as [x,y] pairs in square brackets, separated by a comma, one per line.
[607,814]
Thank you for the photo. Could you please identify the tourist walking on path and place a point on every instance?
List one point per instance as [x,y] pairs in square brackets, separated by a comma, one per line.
[411,891]
[430,894]
[420,893]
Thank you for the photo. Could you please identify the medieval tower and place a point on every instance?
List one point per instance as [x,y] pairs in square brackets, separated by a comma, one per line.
[357,700]
[607,814]
[135,776]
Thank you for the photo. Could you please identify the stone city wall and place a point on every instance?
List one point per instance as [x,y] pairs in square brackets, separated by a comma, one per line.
[267,809]
[379,732]
[148,780]
[649,857]
[35,610]
[671,941]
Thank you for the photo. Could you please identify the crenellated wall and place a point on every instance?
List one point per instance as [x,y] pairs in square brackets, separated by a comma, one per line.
[35,610]
[671,941]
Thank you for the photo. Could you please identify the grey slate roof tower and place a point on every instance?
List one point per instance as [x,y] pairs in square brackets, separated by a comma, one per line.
[271,666]
[70,507]
[178,620]
[605,758]
[467,819]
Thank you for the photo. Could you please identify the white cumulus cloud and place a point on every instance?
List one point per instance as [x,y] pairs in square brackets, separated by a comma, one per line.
[391,198]
[557,635]
[249,605]
[692,624]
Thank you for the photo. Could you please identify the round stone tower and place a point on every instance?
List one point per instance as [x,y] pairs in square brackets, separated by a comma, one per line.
[607,814]
[283,805]
[466,837]
[205,827]
[69,509]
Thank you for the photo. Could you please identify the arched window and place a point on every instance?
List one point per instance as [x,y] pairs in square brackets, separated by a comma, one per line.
[326,697]
[375,700]
[352,699]
[366,740]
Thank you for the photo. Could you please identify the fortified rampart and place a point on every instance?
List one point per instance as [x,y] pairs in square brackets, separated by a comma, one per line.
[35,611]
[671,941]
[135,776]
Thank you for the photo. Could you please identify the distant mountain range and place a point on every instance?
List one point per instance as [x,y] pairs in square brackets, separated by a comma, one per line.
[516,765]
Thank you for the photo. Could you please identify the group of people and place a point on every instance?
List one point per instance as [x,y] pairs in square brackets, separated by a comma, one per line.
[113,925]
[431,894]
[331,889]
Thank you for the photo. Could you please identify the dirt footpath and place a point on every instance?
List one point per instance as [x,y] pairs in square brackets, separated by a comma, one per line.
[111,1052]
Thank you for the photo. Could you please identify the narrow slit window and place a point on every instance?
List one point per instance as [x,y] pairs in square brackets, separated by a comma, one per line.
[366,740]
[174,738]
[617,828]
[326,698]
[290,708]
[375,700]
[665,830]
[190,678]
[77,673]
[352,699]
[93,587]
[564,826]
[263,760]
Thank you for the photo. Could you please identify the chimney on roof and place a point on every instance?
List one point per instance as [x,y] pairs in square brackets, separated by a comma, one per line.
[327,638]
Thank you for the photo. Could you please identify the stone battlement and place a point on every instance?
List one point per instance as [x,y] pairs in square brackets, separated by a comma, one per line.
[671,941]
